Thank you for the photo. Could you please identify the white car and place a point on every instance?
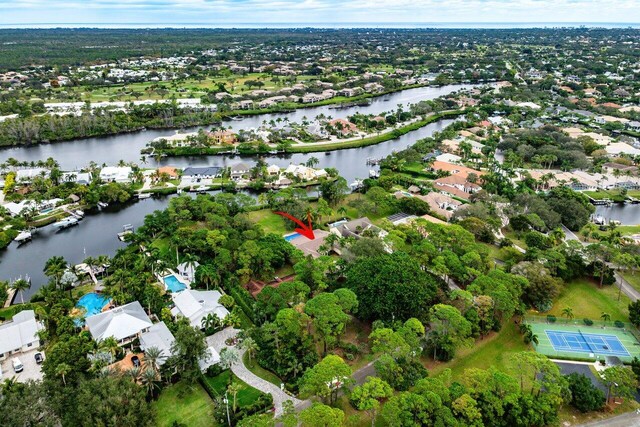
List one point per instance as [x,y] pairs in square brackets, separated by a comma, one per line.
[17,365]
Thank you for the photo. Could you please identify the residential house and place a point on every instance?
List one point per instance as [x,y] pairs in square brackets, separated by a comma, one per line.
[196,305]
[160,337]
[207,172]
[273,170]
[617,148]
[220,137]
[170,171]
[28,174]
[357,228]
[240,171]
[121,174]
[124,323]
[453,169]
[19,334]
[343,127]
[441,204]
[81,178]
[457,186]
[610,167]
[305,173]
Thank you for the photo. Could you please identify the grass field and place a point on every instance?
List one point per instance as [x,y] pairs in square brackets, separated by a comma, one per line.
[589,301]
[614,195]
[493,350]
[247,394]
[633,279]
[187,404]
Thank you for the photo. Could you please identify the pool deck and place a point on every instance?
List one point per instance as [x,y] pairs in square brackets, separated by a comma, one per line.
[308,246]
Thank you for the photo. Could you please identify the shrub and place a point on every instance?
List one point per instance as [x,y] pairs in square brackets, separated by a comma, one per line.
[584,395]
[214,370]
[551,318]
[588,322]
[349,356]
[618,324]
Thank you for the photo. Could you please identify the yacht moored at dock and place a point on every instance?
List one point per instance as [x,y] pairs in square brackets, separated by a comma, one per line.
[66,223]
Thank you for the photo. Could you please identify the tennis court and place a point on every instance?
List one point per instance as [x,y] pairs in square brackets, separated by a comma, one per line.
[575,340]
[608,345]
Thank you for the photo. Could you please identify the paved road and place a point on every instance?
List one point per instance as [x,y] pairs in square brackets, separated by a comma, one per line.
[217,341]
[630,419]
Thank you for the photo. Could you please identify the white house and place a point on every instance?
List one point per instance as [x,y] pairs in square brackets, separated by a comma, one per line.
[27,175]
[124,323]
[196,305]
[211,358]
[160,337]
[19,334]
[120,174]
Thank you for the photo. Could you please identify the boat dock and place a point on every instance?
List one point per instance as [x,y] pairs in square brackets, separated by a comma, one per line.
[372,161]
[601,202]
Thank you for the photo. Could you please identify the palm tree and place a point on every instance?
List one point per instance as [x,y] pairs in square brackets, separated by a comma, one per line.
[191,262]
[251,347]
[228,357]
[605,317]
[21,285]
[150,380]
[55,268]
[234,388]
[568,313]
[62,370]
[211,321]
[110,345]
[135,373]
[152,356]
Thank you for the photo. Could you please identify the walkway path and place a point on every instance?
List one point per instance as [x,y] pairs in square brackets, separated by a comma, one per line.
[630,419]
[217,341]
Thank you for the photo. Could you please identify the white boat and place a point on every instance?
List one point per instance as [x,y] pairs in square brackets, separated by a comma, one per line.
[79,213]
[374,173]
[23,236]
[142,196]
[67,222]
[103,204]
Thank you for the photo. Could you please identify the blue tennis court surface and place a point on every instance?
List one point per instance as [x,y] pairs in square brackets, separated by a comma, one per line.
[586,343]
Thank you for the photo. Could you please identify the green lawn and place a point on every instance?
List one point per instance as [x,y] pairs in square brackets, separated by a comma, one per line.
[185,403]
[589,301]
[614,195]
[633,279]
[260,371]
[493,350]
[247,394]
[270,222]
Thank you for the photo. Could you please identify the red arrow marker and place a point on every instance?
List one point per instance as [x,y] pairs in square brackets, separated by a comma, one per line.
[305,229]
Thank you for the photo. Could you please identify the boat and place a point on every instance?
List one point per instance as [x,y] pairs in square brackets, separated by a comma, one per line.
[79,213]
[273,152]
[356,185]
[599,220]
[374,173]
[142,196]
[236,118]
[103,205]
[65,223]
[23,236]
[202,189]
[126,229]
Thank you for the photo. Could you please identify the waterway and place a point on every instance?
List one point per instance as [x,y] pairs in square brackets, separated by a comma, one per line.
[625,213]
[96,234]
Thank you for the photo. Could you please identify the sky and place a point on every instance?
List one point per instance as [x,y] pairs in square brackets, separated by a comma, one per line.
[319,12]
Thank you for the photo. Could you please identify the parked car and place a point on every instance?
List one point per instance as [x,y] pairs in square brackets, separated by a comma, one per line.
[17,365]
[135,360]
[39,358]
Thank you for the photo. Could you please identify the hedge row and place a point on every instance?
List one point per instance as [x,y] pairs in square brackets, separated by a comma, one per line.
[244,299]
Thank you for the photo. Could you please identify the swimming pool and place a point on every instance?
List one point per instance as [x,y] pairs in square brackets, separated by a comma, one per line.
[290,237]
[92,303]
[172,283]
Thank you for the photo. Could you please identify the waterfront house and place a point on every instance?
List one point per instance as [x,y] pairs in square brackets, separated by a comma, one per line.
[121,174]
[220,137]
[343,127]
[19,334]
[28,174]
[196,305]
[453,169]
[240,171]
[441,204]
[610,167]
[273,170]
[124,323]
[170,171]
[81,178]
[207,172]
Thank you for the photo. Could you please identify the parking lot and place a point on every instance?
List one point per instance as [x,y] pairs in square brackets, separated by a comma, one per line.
[31,370]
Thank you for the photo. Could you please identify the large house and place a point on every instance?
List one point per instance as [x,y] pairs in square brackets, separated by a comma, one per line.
[19,334]
[123,323]
[240,171]
[207,172]
[457,186]
[357,228]
[120,174]
[196,305]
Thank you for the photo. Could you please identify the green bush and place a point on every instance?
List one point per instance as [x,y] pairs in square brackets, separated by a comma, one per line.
[551,318]
[588,322]
[244,300]
[618,324]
